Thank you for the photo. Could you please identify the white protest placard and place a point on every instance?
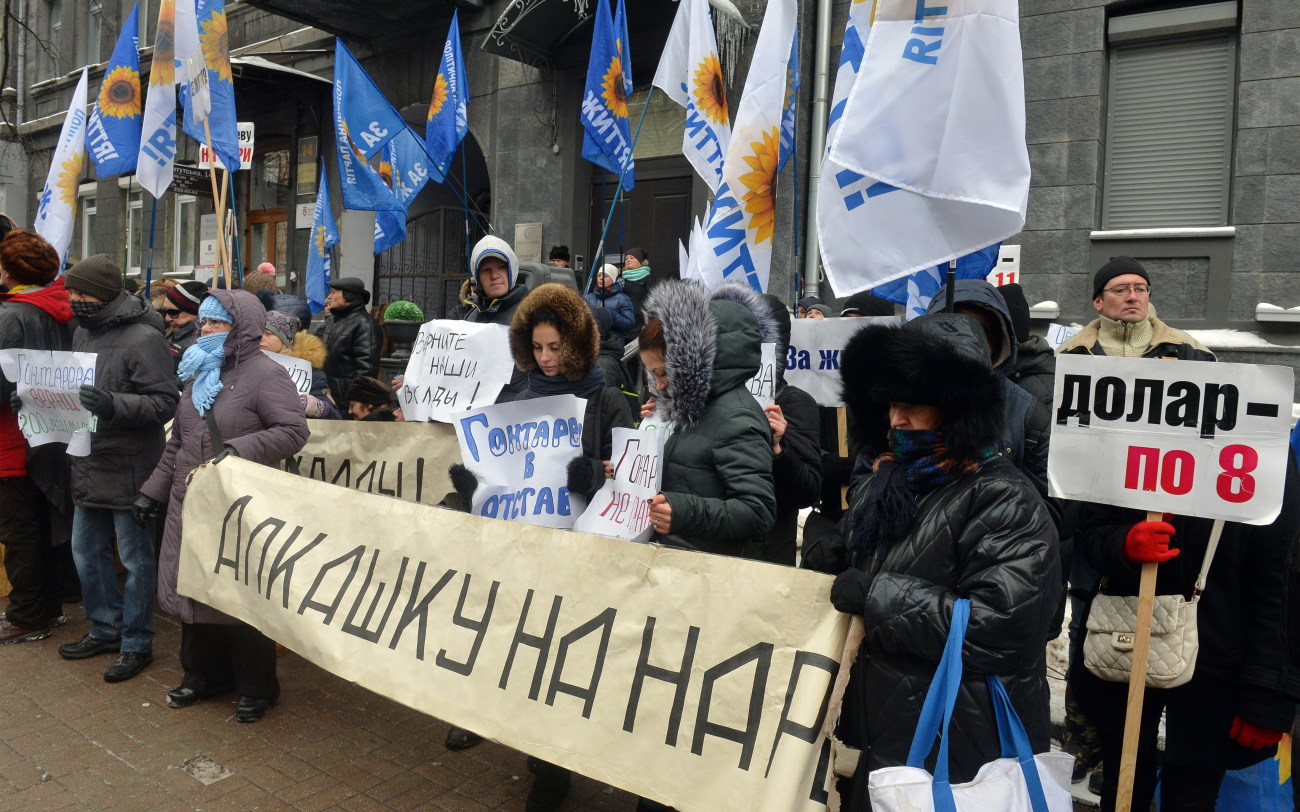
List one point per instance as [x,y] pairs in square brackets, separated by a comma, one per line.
[455,366]
[812,362]
[520,452]
[1193,438]
[404,460]
[763,385]
[246,131]
[1058,334]
[621,508]
[299,370]
[699,681]
[48,381]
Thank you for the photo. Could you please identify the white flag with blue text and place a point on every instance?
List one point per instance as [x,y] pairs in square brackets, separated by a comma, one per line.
[58,205]
[690,73]
[743,222]
[154,169]
[928,160]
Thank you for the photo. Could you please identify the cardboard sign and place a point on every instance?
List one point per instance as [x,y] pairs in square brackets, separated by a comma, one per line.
[299,370]
[206,157]
[812,363]
[1192,438]
[455,366]
[520,452]
[403,460]
[700,681]
[1058,334]
[621,508]
[763,385]
[48,381]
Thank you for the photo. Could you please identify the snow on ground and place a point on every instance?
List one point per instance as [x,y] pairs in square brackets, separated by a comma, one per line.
[1230,339]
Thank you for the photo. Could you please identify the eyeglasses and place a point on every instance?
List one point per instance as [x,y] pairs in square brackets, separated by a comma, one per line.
[214,323]
[1124,290]
[169,312]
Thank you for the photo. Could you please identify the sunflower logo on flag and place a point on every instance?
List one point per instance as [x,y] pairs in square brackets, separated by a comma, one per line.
[440,91]
[163,69]
[760,183]
[216,45]
[386,172]
[318,239]
[119,96]
[69,176]
[614,91]
[710,91]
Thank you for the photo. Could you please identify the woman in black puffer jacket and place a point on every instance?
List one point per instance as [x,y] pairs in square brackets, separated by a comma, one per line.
[939,518]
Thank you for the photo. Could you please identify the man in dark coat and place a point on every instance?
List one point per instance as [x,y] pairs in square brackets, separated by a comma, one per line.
[35,500]
[498,294]
[133,396]
[351,337]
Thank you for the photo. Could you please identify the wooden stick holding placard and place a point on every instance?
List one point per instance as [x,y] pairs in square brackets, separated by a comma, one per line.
[1137,681]
[225,190]
[842,423]
[219,202]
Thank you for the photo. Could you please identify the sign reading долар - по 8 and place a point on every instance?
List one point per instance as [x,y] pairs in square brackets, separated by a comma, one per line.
[47,382]
[1188,437]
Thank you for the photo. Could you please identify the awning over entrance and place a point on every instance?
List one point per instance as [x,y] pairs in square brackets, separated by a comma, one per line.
[558,32]
[369,20]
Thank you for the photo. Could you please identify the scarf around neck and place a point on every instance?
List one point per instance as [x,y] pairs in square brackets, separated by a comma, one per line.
[202,362]
[917,462]
[540,386]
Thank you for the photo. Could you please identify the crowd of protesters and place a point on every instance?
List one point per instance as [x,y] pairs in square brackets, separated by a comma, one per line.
[941,495]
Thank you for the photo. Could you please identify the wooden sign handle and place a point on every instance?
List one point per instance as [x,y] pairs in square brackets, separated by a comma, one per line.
[842,425]
[1137,682]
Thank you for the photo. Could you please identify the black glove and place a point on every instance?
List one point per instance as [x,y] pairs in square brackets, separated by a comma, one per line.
[849,592]
[145,508]
[465,483]
[96,401]
[15,402]
[227,450]
[585,476]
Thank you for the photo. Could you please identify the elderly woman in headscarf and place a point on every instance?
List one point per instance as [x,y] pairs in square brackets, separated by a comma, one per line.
[253,404]
[940,517]
[283,335]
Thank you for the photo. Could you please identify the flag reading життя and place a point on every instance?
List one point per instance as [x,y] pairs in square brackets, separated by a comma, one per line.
[154,168]
[690,73]
[113,132]
[324,234]
[927,162]
[448,117]
[56,213]
[607,141]
[364,121]
[407,165]
[743,220]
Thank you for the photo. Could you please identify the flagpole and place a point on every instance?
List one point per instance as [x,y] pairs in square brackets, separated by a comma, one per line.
[950,289]
[225,189]
[148,268]
[219,198]
[464,180]
[600,247]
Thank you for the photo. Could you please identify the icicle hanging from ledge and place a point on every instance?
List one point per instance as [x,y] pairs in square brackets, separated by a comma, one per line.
[733,35]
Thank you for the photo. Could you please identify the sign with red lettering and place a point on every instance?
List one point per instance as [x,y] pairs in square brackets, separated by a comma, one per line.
[206,158]
[1191,437]
[621,508]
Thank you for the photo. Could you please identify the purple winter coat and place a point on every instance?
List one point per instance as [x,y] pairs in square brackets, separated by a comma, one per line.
[259,415]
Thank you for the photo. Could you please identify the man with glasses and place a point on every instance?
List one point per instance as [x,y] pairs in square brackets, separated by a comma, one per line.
[181,312]
[1126,326]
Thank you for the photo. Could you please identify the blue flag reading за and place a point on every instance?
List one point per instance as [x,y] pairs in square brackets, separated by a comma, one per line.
[222,121]
[407,161]
[364,122]
[917,290]
[448,118]
[607,141]
[113,133]
[324,234]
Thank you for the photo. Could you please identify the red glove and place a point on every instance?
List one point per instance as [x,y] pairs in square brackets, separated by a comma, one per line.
[1253,736]
[1148,543]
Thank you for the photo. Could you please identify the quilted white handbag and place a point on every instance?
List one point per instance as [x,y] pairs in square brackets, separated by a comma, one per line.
[1112,627]
[1018,782]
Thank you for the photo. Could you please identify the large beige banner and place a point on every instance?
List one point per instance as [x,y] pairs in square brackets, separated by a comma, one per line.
[406,460]
[699,681]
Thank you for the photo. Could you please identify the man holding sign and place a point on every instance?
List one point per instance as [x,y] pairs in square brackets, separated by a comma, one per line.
[34,315]
[1204,442]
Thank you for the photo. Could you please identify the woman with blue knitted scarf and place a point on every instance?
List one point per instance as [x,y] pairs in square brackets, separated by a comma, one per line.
[236,402]
[942,516]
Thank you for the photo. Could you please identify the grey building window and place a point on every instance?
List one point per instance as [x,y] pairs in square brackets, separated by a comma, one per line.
[88,48]
[1170,108]
[49,59]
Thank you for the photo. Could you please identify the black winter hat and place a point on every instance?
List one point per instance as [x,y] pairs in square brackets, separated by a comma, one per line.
[938,360]
[96,275]
[1018,309]
[867,303]
[187,296]
[354,290]
[1117,267]
[370,391]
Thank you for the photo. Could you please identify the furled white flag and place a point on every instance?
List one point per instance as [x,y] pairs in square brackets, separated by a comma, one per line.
[928,161]
[155,167]
[690,74]
[58,206]
[743,220]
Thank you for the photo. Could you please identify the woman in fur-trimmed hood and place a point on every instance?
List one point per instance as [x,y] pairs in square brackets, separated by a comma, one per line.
[940,517]
[699,350]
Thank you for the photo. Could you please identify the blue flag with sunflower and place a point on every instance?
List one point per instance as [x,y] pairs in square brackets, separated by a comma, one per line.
[448,119]
[607,141]
[624,55]
[364,122]
[324,234]
[210,17]
[403,163]
[113,132]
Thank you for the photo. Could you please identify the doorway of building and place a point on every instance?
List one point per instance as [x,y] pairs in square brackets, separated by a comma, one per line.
[267,238]
[654,215]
